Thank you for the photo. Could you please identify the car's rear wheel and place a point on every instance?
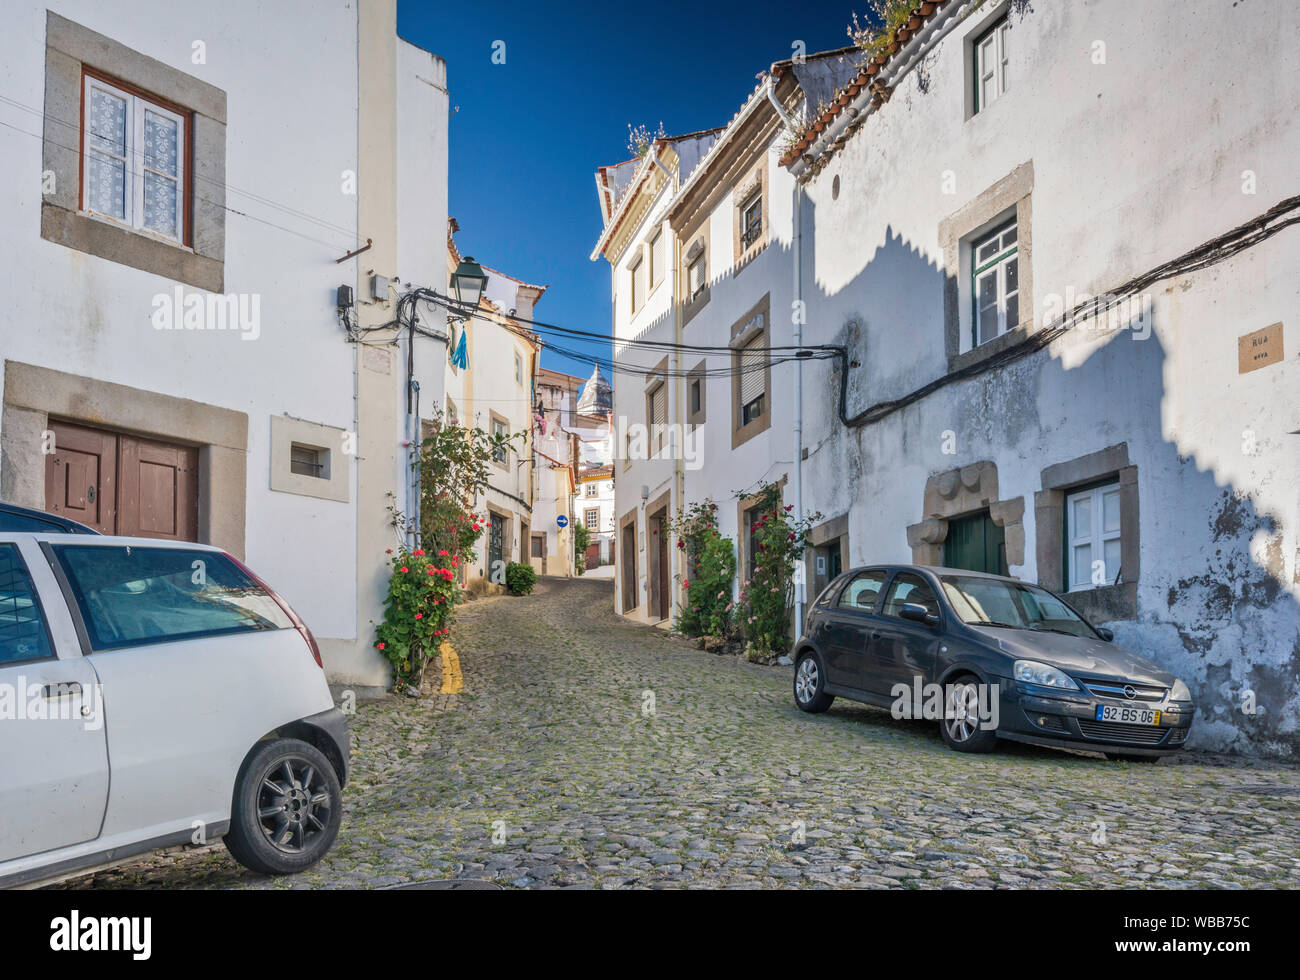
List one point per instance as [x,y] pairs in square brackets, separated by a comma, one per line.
[287,808]
[961,725]
[810,684]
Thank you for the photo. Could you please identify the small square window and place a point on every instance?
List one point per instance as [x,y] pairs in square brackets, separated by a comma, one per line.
[309,461]
[593,489]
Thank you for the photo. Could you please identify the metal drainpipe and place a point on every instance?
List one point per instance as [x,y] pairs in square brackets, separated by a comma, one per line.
[797,316]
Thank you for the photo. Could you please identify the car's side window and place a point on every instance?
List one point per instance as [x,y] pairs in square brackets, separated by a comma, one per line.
[23,634]
[132,595]
[910,588]
[860,594]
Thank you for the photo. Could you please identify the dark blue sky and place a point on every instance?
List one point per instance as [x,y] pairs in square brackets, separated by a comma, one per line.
[527,135]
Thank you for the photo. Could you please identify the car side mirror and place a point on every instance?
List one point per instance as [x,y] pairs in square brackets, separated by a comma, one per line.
[1106,634]
[917,613]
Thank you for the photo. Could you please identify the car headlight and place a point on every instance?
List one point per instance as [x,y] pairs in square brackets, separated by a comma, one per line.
[1180,691]
[1044,675]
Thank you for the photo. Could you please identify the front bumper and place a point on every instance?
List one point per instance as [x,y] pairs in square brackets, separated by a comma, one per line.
[1031,714]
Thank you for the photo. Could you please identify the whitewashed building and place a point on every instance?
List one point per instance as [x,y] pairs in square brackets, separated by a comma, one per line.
[959,205]
[178,184]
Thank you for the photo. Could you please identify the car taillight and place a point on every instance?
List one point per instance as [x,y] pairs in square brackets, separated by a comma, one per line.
[298,624]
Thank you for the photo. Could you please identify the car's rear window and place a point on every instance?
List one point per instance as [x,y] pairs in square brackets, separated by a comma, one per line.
[131,595]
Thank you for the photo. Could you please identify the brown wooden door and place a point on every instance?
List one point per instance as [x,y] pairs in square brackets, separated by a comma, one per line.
[81,476]
[157,494]
[122,484]
[665,591]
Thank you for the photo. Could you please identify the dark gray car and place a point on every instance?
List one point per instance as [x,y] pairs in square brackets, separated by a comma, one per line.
[988,657]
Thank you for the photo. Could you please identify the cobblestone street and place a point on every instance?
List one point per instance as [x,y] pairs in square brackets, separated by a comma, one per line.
[546,771]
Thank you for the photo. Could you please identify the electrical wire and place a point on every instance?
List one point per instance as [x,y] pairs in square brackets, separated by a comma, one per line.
[1211,252]
[127,169]
[269,202]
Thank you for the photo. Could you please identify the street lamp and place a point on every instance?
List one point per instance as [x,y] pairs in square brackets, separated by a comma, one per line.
[468,282]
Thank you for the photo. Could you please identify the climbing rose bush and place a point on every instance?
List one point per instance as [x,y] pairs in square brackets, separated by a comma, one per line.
[766,598]
[707,606]
[418,611]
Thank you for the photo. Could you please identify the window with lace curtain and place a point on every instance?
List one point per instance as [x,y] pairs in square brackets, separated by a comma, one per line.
[133,159]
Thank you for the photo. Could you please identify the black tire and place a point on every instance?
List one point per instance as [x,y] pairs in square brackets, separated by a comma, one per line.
[295,776]
[961,734]
[810,684]
[1121,757]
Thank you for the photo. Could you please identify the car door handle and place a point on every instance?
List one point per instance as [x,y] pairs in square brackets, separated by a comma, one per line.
[67,689]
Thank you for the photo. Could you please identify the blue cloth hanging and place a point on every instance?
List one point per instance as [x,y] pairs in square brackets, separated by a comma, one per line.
[460,358]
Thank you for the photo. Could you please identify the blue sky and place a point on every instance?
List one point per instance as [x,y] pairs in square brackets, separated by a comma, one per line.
[528,135]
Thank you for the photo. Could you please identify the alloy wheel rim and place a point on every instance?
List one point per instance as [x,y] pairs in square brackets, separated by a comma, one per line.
[963,720]
[805,681]
[293,804]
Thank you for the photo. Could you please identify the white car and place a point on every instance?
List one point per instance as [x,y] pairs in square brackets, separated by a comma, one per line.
[156,693]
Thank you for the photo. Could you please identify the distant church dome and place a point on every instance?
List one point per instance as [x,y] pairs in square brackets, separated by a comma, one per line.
[597,396]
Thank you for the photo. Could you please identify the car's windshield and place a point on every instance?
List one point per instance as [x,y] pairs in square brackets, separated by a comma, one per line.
[991,601]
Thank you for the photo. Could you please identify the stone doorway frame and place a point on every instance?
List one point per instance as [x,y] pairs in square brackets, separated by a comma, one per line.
[957,493]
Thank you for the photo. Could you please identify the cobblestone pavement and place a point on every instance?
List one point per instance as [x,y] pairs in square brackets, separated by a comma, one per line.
[546,771]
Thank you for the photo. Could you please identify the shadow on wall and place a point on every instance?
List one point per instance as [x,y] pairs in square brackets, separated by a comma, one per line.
[1212,601]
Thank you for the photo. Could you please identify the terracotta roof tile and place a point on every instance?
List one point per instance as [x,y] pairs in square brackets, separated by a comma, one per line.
[920,14]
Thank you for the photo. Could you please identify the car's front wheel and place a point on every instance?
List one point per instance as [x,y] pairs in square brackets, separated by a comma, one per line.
[810,684]
[962,728]
[287,809]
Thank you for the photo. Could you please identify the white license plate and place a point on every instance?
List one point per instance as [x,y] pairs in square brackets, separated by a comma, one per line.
[1127,715]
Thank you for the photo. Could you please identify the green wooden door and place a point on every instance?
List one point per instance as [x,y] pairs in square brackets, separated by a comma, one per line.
[977,544]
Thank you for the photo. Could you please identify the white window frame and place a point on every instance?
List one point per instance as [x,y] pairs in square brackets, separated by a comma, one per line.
[656,269]
[591,518]
[697,262]
[635,270]
[133,161]
[502,453]
[1096,537]
[998,264]
[992,42]
[593,490]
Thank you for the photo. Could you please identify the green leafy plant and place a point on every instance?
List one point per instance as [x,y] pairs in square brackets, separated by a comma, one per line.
[883,18]
[765,599]
[423,587]
[422,594]
[640,138]
[581,541]
[706,609]
[454,463]
[520,578]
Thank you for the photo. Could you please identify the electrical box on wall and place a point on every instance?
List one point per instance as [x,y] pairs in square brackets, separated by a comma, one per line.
[379,287]
[344,297]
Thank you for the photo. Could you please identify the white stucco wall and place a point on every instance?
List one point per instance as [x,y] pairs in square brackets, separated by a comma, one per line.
[1183,133]
[291,133]
[1130,169]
